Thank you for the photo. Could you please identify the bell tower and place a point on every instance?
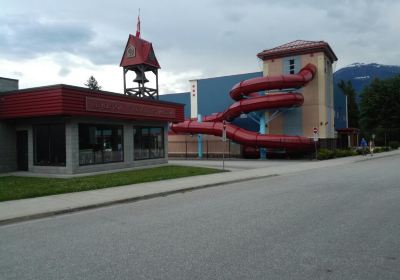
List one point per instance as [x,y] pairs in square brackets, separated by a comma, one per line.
[139,57]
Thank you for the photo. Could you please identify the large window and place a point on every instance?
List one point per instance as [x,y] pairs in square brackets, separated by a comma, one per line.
[100,144]
[49,144]
[148,142]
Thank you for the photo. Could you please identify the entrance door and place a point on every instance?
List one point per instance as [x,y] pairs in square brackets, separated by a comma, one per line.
[22,150]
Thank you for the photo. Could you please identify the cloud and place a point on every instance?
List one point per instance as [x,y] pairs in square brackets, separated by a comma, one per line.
[22,37]
[171,82]
[64,71]
[205,38]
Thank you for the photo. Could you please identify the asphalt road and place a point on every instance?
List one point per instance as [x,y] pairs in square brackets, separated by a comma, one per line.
[337,223]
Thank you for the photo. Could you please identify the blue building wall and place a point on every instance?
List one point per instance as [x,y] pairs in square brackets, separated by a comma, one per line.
[213,96]
[183,98]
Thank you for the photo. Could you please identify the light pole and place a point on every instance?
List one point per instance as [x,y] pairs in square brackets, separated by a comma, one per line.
[223,144]
[315,138]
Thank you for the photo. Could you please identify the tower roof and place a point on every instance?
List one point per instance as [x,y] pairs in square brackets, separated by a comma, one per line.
[138,51]
[298,47]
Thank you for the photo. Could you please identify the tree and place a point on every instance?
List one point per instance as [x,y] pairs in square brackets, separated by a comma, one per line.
[92,84]
[380,108]
[352,107]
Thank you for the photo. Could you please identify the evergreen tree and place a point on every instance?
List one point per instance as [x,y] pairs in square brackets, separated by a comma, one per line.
[92,84]
[380,107]
[352,107]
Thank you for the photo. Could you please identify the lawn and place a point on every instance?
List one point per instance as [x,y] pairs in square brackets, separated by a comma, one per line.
[13,187]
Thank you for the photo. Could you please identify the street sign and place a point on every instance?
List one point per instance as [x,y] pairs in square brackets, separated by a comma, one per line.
[315,130]
[315,137]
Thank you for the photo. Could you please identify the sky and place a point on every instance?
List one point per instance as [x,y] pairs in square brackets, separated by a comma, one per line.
[45,42]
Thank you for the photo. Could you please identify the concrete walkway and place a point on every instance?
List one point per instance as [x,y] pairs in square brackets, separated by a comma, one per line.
[33,208]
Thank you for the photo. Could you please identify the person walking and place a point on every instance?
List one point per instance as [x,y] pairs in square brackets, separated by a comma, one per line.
[371,147]
[364,146]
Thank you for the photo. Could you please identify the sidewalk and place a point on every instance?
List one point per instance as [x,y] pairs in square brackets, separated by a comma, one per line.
[33,208]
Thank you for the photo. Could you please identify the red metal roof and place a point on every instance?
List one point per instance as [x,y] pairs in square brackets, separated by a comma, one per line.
[138,51]
[64,100]
[298,47]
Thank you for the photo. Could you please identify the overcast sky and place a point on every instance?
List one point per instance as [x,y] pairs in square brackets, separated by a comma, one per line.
[44,42]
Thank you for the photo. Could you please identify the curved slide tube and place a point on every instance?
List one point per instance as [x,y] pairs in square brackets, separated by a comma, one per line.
[245,93]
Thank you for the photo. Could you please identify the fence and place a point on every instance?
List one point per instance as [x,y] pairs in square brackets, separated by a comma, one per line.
[211,149]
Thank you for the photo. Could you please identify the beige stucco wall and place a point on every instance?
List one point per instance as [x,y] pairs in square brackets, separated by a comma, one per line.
[318,107]
[272,68]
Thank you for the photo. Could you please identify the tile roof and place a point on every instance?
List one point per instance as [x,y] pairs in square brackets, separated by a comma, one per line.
[298,47]
[138,51]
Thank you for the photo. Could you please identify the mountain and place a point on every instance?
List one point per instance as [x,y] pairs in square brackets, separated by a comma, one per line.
[361,74]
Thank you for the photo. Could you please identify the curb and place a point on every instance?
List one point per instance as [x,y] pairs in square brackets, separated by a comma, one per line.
[377,156]
[125,200]
[131,199]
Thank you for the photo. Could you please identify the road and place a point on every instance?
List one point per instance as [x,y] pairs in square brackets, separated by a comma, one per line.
[336,223]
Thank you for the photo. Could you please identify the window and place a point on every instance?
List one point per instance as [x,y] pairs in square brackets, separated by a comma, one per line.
[291,66]
[148,142]
[100,144]
[49,144]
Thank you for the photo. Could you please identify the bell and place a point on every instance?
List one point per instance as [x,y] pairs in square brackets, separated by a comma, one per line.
[140,77]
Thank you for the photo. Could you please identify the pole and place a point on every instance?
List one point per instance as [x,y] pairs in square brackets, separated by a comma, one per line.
[186,155]
[199,140]
[315,138]
[223,144]
[263,151]
[223,155]
[124,73]
[316,152]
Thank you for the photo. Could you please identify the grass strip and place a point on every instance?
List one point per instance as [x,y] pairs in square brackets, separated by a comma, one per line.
[14,187]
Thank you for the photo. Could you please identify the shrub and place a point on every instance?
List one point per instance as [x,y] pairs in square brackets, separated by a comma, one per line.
[328,154]
[325,154]
[394,145]
[344,153]
[378,150]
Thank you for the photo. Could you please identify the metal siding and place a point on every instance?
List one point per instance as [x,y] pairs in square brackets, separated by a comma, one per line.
[8,84]
[71,101]
[194,109]
[31,104]
[183,98]
[213,97]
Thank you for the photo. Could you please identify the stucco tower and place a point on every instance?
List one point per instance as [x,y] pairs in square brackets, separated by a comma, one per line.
[318,108]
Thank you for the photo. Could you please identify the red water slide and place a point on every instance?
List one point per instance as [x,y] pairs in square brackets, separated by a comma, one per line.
[248,100]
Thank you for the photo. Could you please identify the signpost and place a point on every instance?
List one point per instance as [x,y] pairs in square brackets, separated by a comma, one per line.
[223,144]
[315,130]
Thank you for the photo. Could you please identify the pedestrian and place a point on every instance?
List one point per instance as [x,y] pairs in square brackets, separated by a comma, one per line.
[371,147]
[364,146]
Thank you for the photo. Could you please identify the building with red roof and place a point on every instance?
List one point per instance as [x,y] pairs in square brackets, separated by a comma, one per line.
[317,110]
[298,47]
[62,129]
